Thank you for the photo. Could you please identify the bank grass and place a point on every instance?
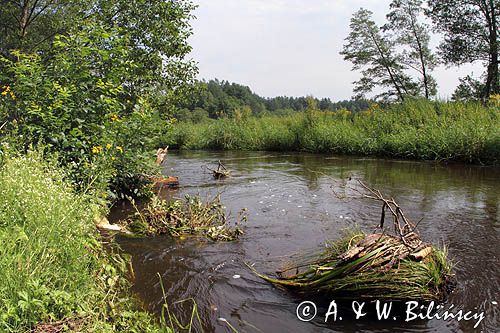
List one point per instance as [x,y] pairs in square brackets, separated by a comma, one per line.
[374,273]
[191,216]
[54,271]
[416,129]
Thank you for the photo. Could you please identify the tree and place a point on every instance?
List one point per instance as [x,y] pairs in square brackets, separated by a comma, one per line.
[468,89]
[31,24]
[414,37]
[374,53]
[156,32]
[471,29]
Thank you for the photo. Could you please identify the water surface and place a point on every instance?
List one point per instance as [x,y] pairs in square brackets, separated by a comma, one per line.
[292,208]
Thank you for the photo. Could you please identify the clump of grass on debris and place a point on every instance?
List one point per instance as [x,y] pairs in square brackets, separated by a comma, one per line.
[386,265]
[191,216]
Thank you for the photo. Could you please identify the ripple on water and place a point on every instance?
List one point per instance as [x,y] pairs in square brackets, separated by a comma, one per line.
[292,209]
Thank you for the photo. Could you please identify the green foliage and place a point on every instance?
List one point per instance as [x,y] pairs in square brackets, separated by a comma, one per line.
[73,105]
[192,216]
[416,129]
[156,34]
[224,99]
[374,53]
[405,21]
[52,266]
[30,25]
[471,30]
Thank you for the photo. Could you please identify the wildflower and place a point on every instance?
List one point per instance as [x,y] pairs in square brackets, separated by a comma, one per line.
[113,158]
[495,99]
[114,117]
[120,149]
[109,145]
[96,149]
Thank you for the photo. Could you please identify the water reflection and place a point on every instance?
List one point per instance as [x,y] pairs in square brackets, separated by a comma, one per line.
[292,208]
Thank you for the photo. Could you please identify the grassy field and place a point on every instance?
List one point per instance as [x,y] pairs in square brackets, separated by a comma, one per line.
[53,268]
[415,130]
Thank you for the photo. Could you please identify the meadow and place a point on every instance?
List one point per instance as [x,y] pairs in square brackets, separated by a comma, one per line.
[449,131]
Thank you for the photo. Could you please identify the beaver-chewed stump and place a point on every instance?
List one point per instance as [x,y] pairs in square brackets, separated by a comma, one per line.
[386,265]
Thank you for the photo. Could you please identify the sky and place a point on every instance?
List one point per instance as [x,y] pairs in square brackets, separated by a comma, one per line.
[288,47]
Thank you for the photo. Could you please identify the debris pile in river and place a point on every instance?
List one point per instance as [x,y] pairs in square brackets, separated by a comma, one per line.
[221,171]
[394,265]
[191,216]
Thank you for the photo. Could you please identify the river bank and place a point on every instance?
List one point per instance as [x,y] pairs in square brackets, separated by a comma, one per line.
[419,130]
[55,272]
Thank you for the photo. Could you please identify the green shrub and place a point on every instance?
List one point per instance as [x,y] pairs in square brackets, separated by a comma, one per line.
[52,267]
[73,101]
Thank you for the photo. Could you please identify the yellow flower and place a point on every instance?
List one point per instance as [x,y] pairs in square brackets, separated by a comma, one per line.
[96,149]
[113,158]
[114,117]
[120,149]
[5,92]
[109,145]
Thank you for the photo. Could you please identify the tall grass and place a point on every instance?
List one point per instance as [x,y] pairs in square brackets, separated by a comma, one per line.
[468,132]
[52,266]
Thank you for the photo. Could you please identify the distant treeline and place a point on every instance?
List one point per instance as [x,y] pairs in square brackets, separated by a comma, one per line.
[217,99]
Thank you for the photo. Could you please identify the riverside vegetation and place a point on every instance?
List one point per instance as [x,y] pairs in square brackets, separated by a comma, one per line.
[85,103]
[79,119]
[416,129]
[54,270]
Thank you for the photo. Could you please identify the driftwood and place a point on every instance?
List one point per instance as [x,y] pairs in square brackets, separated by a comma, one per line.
[161,155]
[403,242]
[164,182]
[221,171]
[380,265]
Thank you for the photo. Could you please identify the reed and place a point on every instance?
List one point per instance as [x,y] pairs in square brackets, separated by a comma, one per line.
[467,132]
[368,276]
[389,265]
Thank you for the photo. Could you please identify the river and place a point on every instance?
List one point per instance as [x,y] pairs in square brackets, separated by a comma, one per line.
[292,209]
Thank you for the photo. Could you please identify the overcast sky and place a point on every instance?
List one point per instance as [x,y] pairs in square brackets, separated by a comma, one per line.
[287,47]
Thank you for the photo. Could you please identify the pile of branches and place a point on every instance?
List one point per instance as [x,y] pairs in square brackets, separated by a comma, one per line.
[191,216]
[393,265]
[221,171]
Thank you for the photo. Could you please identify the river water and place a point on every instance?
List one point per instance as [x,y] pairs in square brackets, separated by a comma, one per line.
[292,209]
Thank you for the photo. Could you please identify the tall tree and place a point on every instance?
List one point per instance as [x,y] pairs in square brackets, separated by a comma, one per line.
[411,33]
[158,32]
[368,49]
[30,24]
[472,33]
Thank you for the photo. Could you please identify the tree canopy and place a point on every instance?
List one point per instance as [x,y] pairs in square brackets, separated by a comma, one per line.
[220,98]
[471,32]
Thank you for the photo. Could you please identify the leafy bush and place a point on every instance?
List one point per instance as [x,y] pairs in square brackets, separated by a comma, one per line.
[52,266]
[73,102]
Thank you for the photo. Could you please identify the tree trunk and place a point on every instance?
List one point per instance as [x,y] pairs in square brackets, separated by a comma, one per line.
[492,85]
[23,21]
